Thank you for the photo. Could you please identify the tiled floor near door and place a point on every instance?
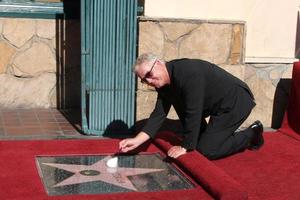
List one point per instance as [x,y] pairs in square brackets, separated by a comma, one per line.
[38,124]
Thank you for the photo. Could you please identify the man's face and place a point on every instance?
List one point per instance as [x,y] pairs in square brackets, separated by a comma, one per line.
[150,73]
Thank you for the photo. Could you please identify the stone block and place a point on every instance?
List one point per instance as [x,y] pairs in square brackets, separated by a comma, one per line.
[249,71]
[26,92]
[175,30]
[210,42]
[236,44]
[263,91]
[151,38]
[170,50]
[1,25]
[172,114]
[145,104]
[54,43]
[236,70]
[275,74]
[18,31]
[53,98]
[7,53]
[46,28]
[39,58]
[287,74]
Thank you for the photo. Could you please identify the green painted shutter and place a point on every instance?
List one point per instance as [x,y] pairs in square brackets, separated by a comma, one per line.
[108,52]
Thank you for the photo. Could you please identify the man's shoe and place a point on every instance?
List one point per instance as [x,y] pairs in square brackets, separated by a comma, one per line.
[257,139]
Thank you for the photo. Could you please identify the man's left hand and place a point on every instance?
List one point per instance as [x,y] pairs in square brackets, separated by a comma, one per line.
[176,151]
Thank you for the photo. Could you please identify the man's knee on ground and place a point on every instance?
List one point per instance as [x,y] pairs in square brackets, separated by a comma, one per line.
[211,155]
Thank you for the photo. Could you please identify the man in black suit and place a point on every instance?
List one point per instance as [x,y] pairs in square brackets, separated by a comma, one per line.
[198,89]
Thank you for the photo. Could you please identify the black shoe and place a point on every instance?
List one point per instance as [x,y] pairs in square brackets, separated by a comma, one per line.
[257,140]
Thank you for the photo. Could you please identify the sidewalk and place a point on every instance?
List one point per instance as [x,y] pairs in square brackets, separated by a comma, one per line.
[33,124]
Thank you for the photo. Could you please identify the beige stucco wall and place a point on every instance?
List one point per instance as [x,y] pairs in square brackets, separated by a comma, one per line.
[271,25]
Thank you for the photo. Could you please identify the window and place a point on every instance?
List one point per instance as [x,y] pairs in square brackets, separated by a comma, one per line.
[24,1]
[28,8]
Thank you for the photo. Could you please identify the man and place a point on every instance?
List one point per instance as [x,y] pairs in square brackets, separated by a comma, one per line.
[198,89]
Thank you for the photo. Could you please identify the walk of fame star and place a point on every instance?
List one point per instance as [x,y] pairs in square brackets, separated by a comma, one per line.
[100,172]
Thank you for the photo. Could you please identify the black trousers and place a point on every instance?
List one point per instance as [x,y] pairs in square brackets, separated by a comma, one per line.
[218,137]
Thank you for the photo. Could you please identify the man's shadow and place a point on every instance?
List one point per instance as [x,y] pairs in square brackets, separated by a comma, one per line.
[119,129]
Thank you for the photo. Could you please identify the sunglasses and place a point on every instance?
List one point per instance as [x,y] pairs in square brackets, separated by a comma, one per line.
[148,74]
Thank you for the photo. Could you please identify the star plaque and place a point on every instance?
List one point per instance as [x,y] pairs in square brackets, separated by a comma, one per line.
[88,174]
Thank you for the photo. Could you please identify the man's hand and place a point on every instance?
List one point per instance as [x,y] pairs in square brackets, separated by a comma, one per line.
[128,144]
[176,151]
[132,143]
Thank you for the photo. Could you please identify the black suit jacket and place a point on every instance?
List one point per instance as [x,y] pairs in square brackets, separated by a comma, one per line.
[196,91]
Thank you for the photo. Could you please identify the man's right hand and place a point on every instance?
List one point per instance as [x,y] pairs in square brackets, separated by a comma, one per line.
[132,143]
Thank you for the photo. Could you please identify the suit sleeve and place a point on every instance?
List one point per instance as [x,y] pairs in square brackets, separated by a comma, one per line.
[157,116]
[193,95]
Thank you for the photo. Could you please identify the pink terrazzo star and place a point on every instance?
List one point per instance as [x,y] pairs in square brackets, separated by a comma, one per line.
[100,172]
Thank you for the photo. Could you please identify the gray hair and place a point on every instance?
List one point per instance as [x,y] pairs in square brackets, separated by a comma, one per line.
[145,58]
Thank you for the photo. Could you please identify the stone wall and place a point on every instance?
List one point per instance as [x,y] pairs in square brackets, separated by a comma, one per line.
[27,63]
[37,61]
[220,42]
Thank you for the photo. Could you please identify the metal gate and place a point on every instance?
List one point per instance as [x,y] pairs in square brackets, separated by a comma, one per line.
[108,49]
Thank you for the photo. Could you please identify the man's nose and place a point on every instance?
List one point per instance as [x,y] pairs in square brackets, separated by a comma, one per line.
[150,81]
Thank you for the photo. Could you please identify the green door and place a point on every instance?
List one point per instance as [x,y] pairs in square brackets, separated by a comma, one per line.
[108,48]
